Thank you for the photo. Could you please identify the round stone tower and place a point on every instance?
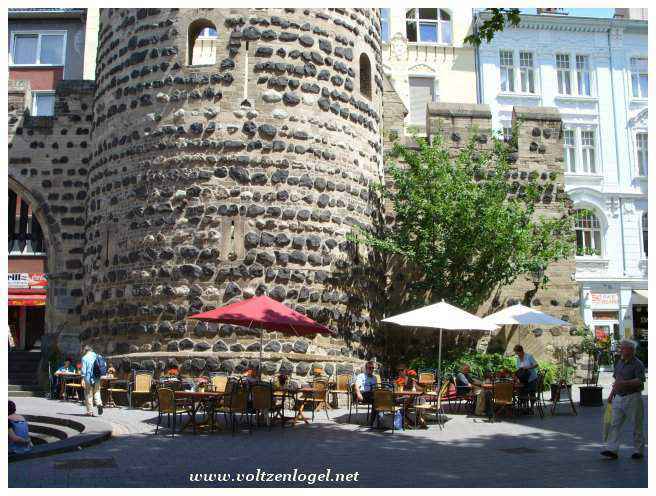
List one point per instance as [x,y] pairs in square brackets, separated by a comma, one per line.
[233,150]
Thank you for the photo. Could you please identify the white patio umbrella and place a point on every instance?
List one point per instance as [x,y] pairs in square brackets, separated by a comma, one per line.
[520,315]
[524,316]
[444,317]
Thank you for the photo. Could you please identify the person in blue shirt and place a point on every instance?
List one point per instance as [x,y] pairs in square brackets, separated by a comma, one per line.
[19,433]
[91,384]
[66,368]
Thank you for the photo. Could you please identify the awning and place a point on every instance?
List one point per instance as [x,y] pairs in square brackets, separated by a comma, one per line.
[27,300]
[642,296]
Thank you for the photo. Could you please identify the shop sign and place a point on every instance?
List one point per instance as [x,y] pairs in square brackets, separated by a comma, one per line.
[605,299]
[24,280]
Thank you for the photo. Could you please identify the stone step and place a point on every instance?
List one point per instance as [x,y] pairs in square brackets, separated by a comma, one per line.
[24,387]
[26,394]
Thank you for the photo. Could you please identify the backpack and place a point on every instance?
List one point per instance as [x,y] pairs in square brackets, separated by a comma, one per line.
[99,367]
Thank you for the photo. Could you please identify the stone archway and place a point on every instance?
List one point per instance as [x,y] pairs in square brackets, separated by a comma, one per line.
[54,249]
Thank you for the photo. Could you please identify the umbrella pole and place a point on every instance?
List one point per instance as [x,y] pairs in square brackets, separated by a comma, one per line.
[259,368]
[439,365]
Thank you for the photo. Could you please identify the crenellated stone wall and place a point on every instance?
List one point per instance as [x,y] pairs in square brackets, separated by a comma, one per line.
[215,182]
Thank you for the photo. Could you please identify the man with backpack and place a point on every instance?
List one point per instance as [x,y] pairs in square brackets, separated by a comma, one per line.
[91,374]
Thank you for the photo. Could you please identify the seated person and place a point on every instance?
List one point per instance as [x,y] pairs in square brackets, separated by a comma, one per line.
[365,382]
[66,368]
[111,371]
[527,370]
[465,382]
[19,434]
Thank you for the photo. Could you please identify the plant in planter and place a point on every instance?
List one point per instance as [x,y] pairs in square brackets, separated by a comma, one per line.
[201,383]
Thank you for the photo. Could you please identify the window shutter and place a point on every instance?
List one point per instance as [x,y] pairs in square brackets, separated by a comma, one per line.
[421,94]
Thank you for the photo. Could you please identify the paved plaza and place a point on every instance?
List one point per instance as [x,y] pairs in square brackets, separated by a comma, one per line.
[560,451]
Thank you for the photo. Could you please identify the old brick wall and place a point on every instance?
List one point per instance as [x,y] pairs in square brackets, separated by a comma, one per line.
[48,165]
[210,183]
[539,155]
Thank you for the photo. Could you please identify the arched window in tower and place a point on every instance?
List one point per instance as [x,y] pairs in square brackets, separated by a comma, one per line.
[203,42]
[588,233]
[365,76]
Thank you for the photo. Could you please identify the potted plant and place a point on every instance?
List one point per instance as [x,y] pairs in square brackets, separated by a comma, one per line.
[591,393]
[201,383]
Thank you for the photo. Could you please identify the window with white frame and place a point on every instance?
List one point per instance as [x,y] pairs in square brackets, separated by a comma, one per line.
[507,133]
[588,151]
[422,92]
[43,103]
[583,75]
[588,233]
[563,74]
[38,48]
[569,140]
[385,24]
[639,77]
[645,234]
[428,26]
[526,72]
[507,68]
[642,144]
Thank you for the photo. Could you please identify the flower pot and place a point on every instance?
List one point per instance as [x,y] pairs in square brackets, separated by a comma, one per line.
[590,396]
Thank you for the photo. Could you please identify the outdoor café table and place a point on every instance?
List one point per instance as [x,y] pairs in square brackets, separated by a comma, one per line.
[282,394]
[196,400]
[302,395]
[408,399]
[109,383]
[65,378]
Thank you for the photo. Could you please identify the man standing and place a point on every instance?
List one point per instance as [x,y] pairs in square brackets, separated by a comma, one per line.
[626,400]
[365,382]
[90,382]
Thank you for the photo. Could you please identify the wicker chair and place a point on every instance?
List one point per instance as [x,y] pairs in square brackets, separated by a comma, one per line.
[168,405]
[74,385]
[426,379]
[218,381]
[319,397]
[383,402]
[263,402]
[353,401]
[141,385]
[341,387]
[503,398]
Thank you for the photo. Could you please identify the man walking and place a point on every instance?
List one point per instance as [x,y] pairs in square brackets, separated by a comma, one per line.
[90,382]
[626,400]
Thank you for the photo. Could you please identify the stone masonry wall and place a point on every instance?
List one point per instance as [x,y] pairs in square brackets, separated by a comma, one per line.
[539,155]
[211,183]
[48,166]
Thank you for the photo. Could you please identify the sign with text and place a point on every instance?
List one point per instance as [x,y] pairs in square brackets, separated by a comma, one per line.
[24,280]
[605,299]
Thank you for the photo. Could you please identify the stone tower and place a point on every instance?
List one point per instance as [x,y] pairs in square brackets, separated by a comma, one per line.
[232,152]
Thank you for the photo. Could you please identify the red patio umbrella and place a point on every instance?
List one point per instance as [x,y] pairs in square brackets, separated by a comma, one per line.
[263,312]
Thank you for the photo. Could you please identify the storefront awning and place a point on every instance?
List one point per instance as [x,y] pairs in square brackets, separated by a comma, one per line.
[27,300]
[641,296]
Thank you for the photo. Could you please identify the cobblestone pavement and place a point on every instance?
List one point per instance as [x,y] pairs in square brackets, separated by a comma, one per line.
[558,451]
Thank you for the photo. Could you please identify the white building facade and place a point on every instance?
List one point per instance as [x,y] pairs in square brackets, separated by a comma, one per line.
[426,60]
[595,72]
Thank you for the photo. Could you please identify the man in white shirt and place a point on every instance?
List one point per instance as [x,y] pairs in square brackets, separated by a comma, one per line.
[365,382]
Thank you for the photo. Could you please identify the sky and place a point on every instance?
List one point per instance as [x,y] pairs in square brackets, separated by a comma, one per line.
[605,13]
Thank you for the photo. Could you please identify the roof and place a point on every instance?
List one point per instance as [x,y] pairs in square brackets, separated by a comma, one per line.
[571,23]
[45,13]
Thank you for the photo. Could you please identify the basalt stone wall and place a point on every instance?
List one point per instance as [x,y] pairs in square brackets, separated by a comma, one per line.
[48,166]
[242,177]
[538,156]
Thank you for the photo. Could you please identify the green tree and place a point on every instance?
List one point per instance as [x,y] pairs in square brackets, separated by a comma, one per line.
[497,20]
[460,226]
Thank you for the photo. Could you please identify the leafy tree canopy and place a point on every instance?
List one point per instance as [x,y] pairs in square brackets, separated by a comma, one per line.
[462,224]
[495,23]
